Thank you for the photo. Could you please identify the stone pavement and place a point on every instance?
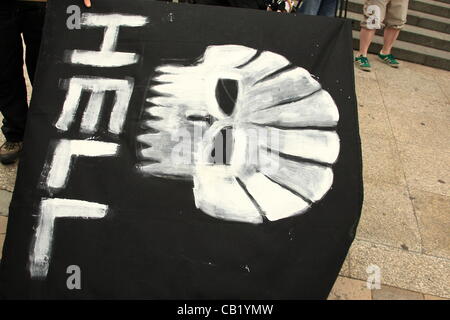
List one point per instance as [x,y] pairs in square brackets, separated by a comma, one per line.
[404,120]
[405,224]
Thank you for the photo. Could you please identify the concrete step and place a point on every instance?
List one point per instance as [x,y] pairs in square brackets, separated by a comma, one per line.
[433,7]
[428,21]
[413,34]
[410,52]
[415,18]
[445,1]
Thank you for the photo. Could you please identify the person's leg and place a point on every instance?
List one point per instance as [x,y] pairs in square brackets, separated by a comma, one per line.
[32,22]
[365,39]
[374,15]
[328,8]
[374,12]
[13,96]
[396,13]
[390,35]
[310,7]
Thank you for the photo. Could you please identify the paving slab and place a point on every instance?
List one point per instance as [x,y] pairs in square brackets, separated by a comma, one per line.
[407,80]
[367,90]
[361,74]
[3,224]
[428,297]
[402,269]
[392,293]
[433,214]
[426,71]
[443,80]
[381,161]
[349,289]
[373,119]
[5,200]
[415,88]
[345,270]
[2,239]
[442,77]
[426,168]
[418,129]
[372,113]
[8,176]
[388,217]
[407,102]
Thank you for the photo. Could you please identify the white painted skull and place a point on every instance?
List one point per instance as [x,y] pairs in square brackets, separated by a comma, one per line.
[295,141]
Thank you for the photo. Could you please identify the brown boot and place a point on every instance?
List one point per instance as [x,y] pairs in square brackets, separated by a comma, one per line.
[10,152]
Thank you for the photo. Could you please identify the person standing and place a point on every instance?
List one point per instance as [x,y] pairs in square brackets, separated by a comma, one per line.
[26,18]
[325,8]
[390,14]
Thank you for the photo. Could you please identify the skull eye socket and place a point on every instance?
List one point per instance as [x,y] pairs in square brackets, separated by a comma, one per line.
[226,95]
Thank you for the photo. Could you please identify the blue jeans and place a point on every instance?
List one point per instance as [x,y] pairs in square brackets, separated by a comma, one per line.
[319,7]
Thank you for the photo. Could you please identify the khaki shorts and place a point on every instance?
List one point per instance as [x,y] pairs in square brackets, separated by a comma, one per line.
[385,13]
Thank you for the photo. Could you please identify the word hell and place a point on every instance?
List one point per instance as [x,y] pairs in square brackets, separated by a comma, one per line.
[56,173]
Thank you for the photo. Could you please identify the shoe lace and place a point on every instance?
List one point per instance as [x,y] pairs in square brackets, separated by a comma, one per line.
[10,145]
[390,57]
[364,60]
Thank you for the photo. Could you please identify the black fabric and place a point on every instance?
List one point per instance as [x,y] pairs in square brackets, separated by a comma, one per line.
[6,4]
[18,18]
[154,243]
[251,4]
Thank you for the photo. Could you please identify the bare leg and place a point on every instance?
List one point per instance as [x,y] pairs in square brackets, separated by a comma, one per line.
[390,35]
[365,38]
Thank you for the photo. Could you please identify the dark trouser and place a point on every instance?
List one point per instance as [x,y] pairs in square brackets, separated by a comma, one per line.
[26,18]
[254,4]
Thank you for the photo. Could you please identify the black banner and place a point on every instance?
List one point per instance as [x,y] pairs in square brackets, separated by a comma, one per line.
[180,151]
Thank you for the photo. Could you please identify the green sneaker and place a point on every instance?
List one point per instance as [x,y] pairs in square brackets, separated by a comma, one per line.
[389,59]
[363,63]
